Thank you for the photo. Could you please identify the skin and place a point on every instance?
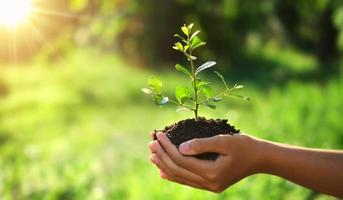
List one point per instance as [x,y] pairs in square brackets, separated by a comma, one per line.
[242,155]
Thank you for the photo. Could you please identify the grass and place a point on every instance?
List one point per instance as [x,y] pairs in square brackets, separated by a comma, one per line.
[78,129]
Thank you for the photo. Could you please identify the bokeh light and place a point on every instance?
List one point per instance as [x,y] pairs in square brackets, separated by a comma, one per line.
[14,12]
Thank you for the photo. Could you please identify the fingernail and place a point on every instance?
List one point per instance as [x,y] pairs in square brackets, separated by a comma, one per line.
[163,175]
[159,135]
[153,145]
[153,159]
[184,147]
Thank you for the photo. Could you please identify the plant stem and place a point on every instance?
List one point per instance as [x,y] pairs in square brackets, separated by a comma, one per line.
[217,95]
[196,103]
[183,105]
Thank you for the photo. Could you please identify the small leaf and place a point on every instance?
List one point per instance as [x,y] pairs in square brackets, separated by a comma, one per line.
[185,48]
[192,58]
[205,66]
[155,84]
[157,98]
[213,107]
[239,96]
[222,78]
[160,100]
[190,26]
[178,46]
[181,108]
[183,69]
[216,99]
[207,90]
[147,91]
[194,34]
[239,86]
[196,42]
[182,93]
[164,100]
[199,45]
[201,84]
[185,30]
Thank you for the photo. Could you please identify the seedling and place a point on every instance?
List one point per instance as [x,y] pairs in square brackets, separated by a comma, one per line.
[201,92]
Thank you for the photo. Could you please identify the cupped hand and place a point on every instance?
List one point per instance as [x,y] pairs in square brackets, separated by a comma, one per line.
[238,158]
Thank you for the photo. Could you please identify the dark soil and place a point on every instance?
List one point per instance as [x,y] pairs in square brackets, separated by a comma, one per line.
[201,128]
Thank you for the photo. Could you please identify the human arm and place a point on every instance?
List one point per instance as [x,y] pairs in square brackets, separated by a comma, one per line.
[241,156]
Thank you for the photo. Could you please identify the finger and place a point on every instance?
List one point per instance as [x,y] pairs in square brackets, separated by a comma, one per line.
[165,176]
[152,134]
[155,160]
[215,144]
[189,163]
[152,146]
[167,165]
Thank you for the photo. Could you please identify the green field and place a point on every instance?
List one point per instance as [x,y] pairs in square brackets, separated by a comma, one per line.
[79,129]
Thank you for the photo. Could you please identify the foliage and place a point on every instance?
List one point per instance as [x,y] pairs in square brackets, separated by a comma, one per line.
[71,130]
[232,27]
[187,43]
[71,123]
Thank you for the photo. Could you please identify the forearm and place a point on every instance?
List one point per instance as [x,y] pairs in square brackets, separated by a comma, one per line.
[320,170]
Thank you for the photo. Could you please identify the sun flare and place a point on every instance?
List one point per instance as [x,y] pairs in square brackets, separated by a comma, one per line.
[14,12]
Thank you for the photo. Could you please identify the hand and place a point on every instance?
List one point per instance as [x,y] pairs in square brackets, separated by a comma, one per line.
[237,159]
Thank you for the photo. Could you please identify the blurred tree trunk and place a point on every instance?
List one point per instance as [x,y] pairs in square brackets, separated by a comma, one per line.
[327,50]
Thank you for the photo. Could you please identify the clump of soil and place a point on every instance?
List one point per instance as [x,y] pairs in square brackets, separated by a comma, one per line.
[198,128]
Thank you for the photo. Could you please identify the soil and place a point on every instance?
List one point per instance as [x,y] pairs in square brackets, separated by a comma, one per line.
[198,128]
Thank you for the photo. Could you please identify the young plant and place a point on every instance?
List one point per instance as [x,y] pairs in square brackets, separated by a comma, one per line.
[201,93]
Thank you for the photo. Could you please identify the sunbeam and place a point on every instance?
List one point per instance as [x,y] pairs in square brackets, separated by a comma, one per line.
[14,12]
[29,25]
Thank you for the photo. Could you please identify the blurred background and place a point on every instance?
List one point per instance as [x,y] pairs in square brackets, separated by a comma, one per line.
[75,125]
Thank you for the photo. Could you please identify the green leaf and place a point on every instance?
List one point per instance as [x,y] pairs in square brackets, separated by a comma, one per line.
[201,84]
[147,91]
[181,108]
[178,46]
[204,66]
[238,86]
[207,90]
[164,100]
[191,58]
[196,42]
[222,78]
[185,30]
[155,84]
[160,100]
[194,34]
[190,26]
[182,93]
[239,96]
[181,68]
[157,98]
[216,99]
[213,107]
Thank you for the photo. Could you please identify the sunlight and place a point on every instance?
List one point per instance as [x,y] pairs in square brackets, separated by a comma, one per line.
[28,25]
[14,12]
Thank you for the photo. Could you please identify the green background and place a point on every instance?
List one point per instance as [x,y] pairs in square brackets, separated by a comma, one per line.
[75,125]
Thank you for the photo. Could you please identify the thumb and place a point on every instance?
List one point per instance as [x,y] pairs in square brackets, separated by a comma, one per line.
[215,144]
